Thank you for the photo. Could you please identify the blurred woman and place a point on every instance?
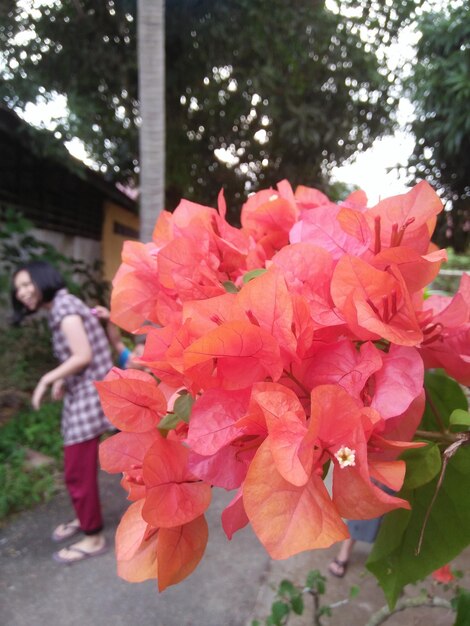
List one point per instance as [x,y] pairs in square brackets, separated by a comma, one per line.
[359,530]
[81,346]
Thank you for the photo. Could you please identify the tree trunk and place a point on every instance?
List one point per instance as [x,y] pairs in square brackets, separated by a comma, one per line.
[151,63]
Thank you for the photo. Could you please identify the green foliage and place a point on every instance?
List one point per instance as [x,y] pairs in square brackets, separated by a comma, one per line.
[230,287]
[316,582]
[459,418]
[21,489]
[181,413]
[317,87]
[439,518]
[288,590]
[422,465]
[449,283]
[183,406]
[279,613]
[168,422]
[98,76]
[393,559]
[39,430]
[252,274]
[288,594]
[439,87]
[444,395]
[289,599]
[463,608]
[25,355]
[446,284]
[457,261]
[36,429]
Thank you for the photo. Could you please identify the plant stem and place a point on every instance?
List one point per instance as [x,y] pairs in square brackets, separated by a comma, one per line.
[463,439]
[438,436]
[316,608]
[384,613]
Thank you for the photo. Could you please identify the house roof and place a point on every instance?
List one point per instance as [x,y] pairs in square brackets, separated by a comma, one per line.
[41,179]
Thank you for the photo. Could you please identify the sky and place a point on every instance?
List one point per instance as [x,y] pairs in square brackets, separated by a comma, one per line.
[374,170]
[44,114]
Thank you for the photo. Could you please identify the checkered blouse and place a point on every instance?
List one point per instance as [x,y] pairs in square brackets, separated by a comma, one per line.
[82,416]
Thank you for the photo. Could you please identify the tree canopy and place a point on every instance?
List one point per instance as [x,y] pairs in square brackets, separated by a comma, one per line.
[439,87]
[255,91]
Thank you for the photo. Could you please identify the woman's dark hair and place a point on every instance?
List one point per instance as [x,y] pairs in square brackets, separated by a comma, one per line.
[46,279]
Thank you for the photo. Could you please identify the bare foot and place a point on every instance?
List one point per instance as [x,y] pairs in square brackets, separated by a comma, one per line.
[89,546]
[66,530]
[338,568]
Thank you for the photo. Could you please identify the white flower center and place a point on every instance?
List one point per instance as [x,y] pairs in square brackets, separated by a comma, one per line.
[346,457]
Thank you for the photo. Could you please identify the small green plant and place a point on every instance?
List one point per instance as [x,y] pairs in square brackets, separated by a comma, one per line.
[25,355]
[22,490]
[289,599]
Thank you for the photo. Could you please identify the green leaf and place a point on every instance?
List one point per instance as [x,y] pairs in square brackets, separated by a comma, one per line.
[253,274]
[325,610]
[168,422]
[354,591]
[297,604]
[316,581]
[183,406]
[463,608]
[286,588]
[289,590]
[279,610]
[422,465]
[230,287]
[460,418]
[393,560]
[444,395]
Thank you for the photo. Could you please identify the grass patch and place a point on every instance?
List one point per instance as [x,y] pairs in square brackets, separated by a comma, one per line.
[25,355]
[39,430]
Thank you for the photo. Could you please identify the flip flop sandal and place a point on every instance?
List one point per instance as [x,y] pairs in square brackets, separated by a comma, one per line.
[342,567]
[65,531]
[83,555]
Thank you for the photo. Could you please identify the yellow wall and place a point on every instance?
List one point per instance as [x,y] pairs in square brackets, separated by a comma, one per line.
[116,219]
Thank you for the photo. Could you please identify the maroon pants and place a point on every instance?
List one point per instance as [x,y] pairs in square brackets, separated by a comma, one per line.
[81,479]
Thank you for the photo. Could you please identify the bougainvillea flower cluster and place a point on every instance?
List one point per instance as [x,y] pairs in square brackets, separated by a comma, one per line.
[274,352]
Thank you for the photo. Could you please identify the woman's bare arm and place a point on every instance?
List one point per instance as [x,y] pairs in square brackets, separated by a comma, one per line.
[80,357]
